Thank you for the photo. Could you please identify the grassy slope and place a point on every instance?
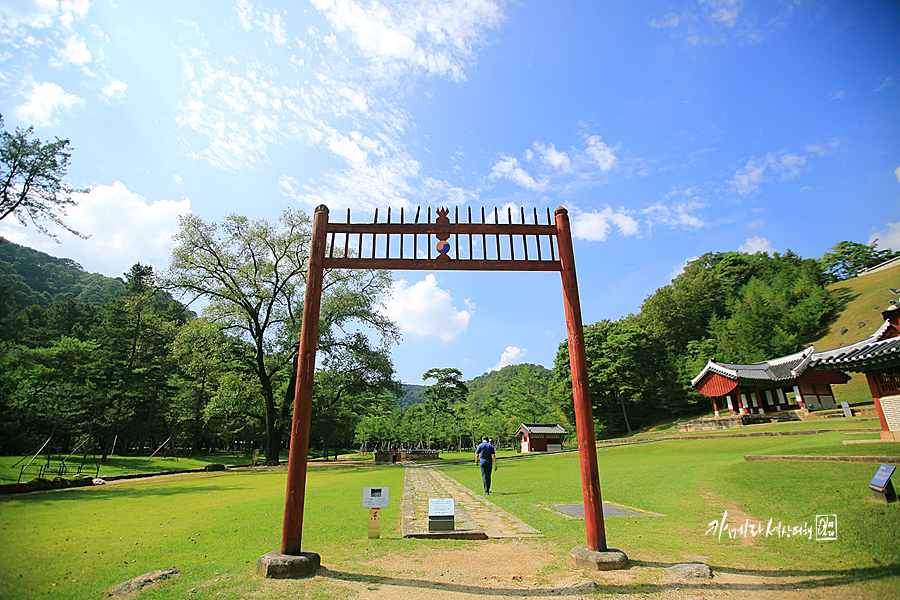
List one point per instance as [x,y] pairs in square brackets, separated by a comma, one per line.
[863,299]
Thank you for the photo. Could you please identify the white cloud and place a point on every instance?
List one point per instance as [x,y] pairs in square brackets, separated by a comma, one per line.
[678,214]
[669,21]
[508,168]
[756,244]
[823,149]
[897,173]
[594,226]
[124,229]
[424,309]
[599,153]
[724,11]
[553,157]
[748,178]
[513,355]
[114,89]
[439,37]
[74,51]
[16,16]
[890,236]
[43,101]
[886,82]
[270,22]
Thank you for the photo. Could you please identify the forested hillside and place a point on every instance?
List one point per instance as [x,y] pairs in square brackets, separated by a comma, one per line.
[138,371]
[734,307]
[35,278]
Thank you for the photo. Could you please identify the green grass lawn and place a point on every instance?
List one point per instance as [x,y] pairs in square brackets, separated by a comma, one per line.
[78,543]
[693,483]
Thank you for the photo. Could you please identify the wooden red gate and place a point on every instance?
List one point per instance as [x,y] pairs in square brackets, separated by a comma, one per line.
[475,246]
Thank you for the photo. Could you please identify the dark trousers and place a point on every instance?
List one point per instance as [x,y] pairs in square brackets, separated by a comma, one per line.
[486,476]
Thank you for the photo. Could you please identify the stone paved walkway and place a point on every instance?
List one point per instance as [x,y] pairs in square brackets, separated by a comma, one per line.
[476,517]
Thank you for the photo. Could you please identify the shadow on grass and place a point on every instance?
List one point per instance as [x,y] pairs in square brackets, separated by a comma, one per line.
[800,580]
[117,493]
[460,588]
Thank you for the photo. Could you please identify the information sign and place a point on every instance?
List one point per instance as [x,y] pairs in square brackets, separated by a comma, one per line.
[882,476]
[847,412]
[376,497]
[440,507]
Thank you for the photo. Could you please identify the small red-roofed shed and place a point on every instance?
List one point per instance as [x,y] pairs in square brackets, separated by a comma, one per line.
[541,437]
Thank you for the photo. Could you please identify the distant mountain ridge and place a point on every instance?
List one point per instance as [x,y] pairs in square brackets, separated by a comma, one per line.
[487,385]
[34,277]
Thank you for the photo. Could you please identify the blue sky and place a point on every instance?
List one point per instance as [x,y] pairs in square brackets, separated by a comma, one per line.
[668,129]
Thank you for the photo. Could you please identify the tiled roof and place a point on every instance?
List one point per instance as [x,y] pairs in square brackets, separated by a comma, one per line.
[778,369]
[864,352]
[874,349]
[541,428]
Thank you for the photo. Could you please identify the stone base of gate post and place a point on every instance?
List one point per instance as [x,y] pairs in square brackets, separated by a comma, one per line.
[275,565]
[584,558]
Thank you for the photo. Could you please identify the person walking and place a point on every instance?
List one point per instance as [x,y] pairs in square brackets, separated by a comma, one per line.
[485,457]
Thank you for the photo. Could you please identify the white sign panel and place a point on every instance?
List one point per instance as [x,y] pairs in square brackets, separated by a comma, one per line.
[440,507]
[376,497]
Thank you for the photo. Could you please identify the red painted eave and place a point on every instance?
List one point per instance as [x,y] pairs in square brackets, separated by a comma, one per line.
[715,385]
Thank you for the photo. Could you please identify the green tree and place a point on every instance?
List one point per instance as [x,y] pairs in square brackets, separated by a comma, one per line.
[203,354]
[31,176]
[447,391]
[137,330]
[252,274]
[526,398]
[845,259]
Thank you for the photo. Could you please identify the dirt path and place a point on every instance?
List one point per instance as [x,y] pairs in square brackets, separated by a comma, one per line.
[532,569]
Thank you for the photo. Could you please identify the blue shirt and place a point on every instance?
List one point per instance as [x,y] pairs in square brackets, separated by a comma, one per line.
[485,451]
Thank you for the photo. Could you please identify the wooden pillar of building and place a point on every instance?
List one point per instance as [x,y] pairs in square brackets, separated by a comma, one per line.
[875,390]
[292,531]
[584,418]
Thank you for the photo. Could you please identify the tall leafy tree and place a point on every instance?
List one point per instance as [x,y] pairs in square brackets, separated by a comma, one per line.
[845,259]
[447,391]
[526,399]
[137,330]
[31,180]
[252,275]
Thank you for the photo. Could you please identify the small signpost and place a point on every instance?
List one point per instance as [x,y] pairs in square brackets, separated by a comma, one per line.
[441,514]
[847,411]
[881,484]
[375,499]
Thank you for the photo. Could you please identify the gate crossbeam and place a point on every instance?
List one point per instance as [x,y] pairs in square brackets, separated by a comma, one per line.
[467,246]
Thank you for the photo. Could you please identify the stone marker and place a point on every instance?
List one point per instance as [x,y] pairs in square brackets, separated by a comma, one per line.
[275,565]
[612,559]
[128,588]
[693,570]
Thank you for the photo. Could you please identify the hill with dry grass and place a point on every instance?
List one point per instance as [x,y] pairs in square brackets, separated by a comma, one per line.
[859,315]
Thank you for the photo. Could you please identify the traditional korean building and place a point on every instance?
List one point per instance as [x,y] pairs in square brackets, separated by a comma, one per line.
[541,437]
[805,378]
[878,356]
[771,386]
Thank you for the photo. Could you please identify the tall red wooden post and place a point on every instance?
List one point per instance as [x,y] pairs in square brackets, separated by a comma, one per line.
[292,532]
[584,418]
